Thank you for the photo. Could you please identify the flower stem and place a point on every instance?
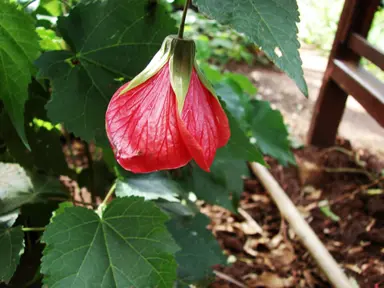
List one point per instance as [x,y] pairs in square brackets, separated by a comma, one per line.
[182,24]
[110,192]
[102,206]
[33,229]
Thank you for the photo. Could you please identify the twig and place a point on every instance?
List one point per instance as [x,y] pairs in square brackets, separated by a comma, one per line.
[348,170]
[373,183]
[229,279]
[356,159]
[350,195]
[33,229]
[339,149]
[256,227]
[309,239]
[354,155]
[354,193]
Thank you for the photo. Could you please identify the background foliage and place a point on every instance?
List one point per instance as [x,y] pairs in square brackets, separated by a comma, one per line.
[318,25]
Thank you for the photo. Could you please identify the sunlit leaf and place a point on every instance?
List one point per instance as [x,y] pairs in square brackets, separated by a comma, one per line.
[19,47]
[17,188]
[270,24]
[150,186]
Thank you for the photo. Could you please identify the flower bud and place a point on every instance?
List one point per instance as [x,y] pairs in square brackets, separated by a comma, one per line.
[167,115]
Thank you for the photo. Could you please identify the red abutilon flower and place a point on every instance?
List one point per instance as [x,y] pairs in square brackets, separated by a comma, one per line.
[167,115]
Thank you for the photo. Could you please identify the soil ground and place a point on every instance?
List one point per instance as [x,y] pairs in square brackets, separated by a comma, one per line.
[274,86]
[351,224]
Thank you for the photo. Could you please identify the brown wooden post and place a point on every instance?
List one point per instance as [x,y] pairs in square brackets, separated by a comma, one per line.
[356,17]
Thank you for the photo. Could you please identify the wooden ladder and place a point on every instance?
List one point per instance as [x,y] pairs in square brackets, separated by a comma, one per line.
[344,76]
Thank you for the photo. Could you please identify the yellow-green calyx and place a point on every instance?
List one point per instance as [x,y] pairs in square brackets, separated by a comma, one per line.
[180,54]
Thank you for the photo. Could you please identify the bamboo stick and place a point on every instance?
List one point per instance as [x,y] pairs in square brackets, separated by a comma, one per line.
[307,236]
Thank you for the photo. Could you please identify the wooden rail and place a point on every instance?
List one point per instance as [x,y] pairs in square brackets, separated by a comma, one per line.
[365,88]
[362,47]
[344,76]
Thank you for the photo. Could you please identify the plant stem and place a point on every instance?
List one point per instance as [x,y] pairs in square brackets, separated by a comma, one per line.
[33,229]
[26,4]
[349,170]
[182,24]
[110,192]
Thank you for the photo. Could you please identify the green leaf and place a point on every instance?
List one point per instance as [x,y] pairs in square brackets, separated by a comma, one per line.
[271,134]
[19,47]
[203,50]
[150,186]
[223,185]
[236,101]
[239,146]
[116,40]
[17,188]
[225,43]
[61,209]
[270,24]
[128,246]
[237,104]
[245,84]
[48,39]
[215,76]
[53,7]
[199,249]
[11,248]
[47,152]
[177,208]
[212,73]
[7,220]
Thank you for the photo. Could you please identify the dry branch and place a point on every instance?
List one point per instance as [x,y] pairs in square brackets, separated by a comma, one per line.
[309,239]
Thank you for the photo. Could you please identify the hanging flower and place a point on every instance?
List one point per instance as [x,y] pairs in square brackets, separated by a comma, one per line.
[167,115]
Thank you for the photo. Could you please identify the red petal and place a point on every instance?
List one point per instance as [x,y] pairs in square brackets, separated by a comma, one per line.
[206,120]
[142,126]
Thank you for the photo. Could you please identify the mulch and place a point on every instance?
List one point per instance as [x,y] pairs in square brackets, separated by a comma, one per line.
[338,191]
